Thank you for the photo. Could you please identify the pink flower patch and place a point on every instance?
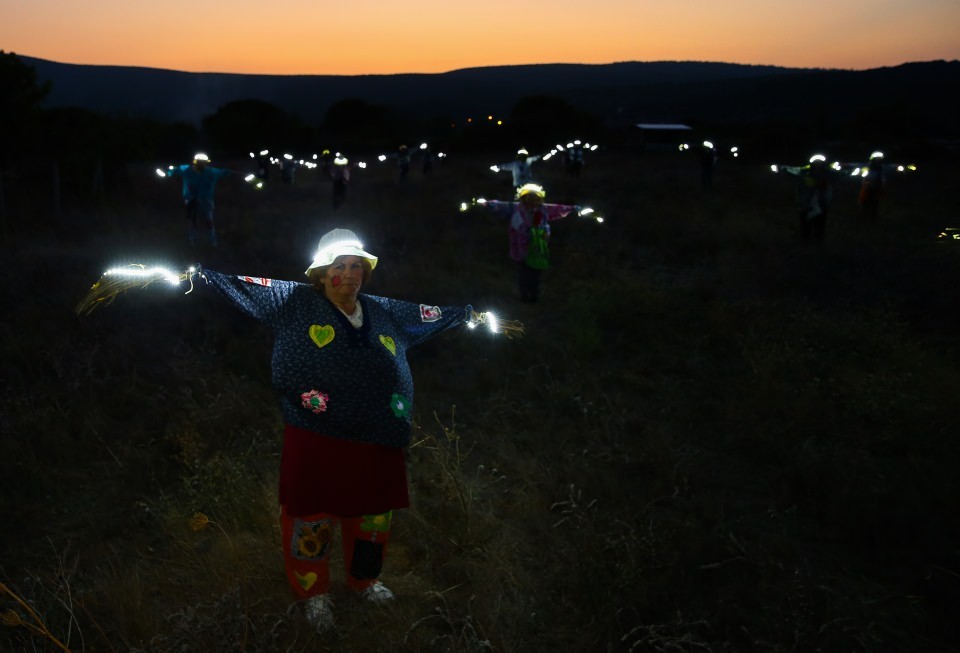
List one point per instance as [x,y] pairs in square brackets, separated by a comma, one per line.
[315,401]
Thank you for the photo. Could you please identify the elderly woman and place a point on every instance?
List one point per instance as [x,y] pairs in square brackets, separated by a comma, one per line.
[529,233]
[345,389]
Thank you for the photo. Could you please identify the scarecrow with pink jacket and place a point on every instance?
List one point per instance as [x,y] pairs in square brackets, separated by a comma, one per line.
[529,232]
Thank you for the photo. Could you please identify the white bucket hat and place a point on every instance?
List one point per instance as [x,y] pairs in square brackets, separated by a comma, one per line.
[339,242]
[527,189]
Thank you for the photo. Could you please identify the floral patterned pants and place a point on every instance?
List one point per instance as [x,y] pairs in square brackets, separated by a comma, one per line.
[307,540]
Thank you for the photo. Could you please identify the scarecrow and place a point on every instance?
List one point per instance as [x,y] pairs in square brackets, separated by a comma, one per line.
[199,183]
[340,370]
[519,167]
[529,232]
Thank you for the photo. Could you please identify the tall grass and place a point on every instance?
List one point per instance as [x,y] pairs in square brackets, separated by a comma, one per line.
[712,438]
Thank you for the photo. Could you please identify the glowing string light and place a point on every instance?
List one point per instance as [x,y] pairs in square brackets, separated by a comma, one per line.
[589,212]
[143,272]
[465,206]
[507,328]
[492,322]
[120,279]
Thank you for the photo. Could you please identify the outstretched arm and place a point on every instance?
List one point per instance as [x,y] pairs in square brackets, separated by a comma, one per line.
[258,297]
[420,322]
[796,171]
[558,211]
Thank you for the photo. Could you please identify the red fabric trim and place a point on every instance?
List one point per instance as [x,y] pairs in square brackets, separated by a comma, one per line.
[340,477]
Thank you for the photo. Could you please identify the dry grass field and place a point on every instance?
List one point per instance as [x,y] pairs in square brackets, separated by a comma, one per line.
[712,438]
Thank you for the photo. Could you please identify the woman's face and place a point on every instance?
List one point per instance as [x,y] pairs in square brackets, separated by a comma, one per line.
[343,279]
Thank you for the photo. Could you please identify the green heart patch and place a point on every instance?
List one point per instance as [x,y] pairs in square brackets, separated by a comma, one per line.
[321,335]
[388,342]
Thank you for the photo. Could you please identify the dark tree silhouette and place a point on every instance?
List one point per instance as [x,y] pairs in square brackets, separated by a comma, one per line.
[355,122]
[243,125]
[21,97]
[540,118]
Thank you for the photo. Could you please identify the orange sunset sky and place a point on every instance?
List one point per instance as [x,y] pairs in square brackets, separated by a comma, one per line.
[353,37]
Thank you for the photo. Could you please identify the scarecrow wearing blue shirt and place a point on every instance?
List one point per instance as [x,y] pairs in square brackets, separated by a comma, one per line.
[199,182]
[340,371]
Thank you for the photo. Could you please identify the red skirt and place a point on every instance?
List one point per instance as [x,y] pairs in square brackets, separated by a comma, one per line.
[340,477]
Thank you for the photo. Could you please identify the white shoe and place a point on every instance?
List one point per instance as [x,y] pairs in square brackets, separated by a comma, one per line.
[319,612]
[377,593]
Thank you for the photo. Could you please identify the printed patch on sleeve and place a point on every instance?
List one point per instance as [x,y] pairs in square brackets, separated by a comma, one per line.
[260,281]
[314,401]
[311,539]
[429,313]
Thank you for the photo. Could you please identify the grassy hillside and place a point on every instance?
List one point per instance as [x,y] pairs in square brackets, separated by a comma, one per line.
[712,438]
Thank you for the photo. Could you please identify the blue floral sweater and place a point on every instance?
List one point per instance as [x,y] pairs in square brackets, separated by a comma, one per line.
[331,377]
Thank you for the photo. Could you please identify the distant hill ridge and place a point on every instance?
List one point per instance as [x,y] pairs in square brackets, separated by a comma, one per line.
[641,91]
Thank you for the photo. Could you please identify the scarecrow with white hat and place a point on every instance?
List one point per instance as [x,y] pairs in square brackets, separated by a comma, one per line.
[519,167]
[340,370]
[873,176]
[339,176]
[529,232]
[813,195]
[199,182]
